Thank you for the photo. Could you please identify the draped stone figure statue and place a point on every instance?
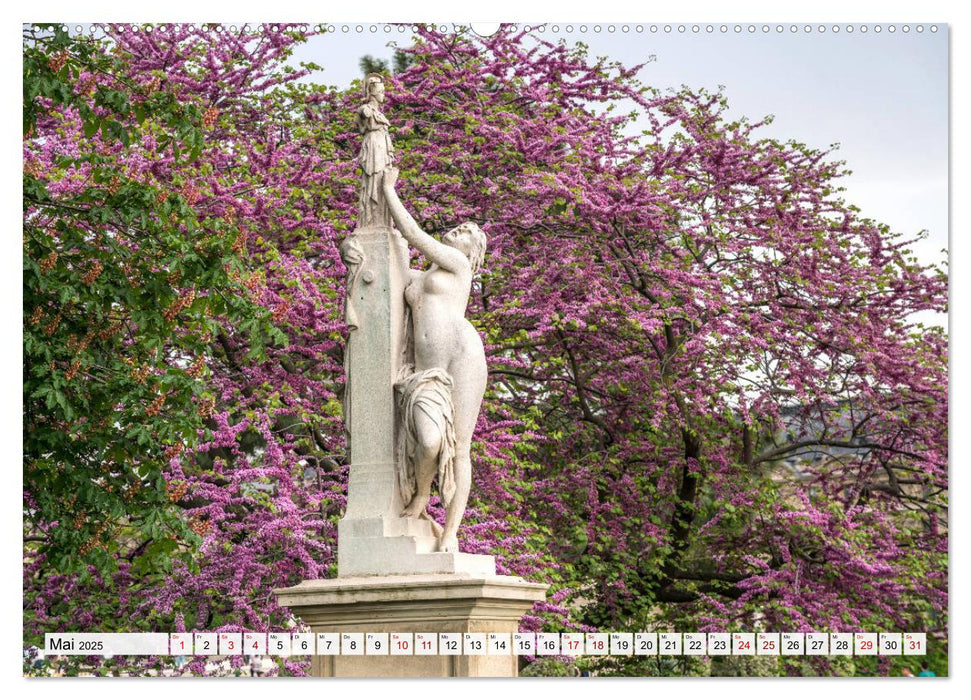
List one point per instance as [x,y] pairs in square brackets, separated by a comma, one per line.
[377,154]
[440,395]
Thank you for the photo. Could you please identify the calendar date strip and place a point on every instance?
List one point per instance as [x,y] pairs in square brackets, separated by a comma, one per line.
[486,643]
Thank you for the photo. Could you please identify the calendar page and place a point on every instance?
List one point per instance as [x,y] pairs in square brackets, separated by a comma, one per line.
[696,272]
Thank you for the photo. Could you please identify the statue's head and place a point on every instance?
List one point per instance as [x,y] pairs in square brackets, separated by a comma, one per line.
[471,240]
[374,87]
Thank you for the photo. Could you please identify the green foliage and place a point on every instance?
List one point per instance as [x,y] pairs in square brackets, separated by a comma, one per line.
[400,62]
[547,668]
[746,666]
[369,64]
[126,286]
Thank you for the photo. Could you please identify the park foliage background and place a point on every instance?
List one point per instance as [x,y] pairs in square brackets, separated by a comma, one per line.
[710,407]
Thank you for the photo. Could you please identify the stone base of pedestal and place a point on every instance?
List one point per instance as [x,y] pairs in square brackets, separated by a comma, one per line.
[393,546]
[426,603]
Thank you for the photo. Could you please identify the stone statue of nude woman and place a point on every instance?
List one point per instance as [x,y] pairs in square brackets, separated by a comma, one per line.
[439,397]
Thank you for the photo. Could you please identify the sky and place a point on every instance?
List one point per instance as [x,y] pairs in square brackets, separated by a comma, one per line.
[883,96]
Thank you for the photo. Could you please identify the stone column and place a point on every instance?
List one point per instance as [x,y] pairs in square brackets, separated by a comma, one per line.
[375,295]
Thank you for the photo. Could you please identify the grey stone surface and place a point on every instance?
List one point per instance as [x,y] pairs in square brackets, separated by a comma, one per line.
[430,604]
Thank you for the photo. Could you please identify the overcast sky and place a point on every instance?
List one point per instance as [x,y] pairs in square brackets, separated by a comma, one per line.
[882,96]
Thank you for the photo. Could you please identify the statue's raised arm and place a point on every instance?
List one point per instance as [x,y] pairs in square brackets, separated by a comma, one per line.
[442,253]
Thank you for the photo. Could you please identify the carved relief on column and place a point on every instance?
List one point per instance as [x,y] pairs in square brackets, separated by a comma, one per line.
[353,256]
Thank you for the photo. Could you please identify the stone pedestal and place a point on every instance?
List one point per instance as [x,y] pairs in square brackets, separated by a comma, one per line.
[423,603]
